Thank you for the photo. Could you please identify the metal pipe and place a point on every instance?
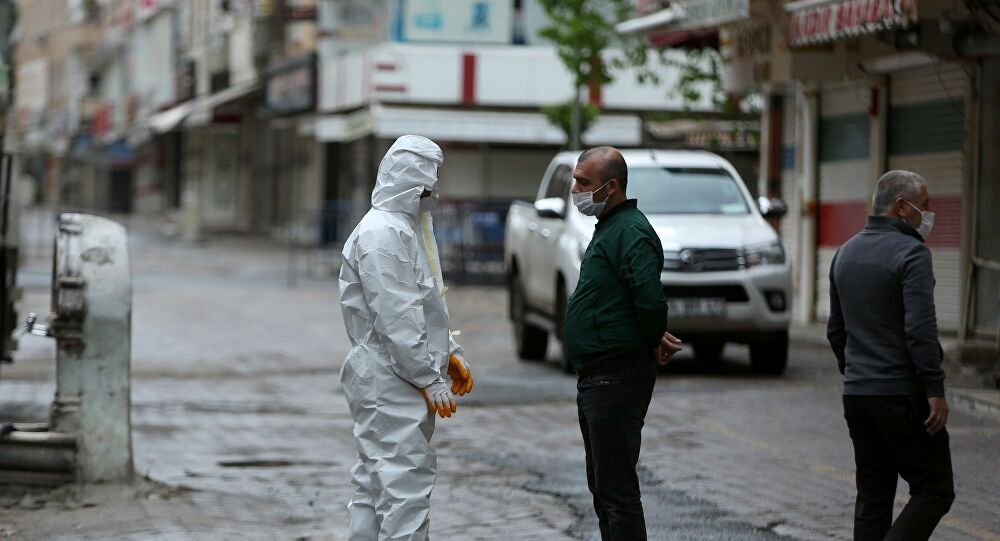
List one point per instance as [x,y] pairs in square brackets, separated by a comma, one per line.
[37,457]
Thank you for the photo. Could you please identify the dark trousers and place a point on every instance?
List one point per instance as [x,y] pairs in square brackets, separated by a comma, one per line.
[612,404]
[889,440]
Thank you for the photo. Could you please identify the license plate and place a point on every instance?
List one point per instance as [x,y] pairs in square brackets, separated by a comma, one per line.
[682,308]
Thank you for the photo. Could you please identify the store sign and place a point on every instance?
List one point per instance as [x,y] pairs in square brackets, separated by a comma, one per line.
[811,23]
[31,90]
[697,14]
[359,21]
[291,88]
[100,123]
[747,51]
[724,139]
[301,10]
[465,21]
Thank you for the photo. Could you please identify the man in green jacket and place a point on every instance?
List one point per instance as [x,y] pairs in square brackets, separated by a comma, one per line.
[615,329]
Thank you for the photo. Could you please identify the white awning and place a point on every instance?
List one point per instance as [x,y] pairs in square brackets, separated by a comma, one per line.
[688,15]
[472,126]
[651,22]
[165,121]
[172,118]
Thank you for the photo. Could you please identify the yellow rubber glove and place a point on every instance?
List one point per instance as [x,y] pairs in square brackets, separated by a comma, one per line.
[439,399]
[460,374]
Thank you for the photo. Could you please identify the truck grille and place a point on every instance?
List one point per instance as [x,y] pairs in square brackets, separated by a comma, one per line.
[703,260]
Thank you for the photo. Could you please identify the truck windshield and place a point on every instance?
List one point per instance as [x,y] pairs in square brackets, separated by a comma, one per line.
[685,190]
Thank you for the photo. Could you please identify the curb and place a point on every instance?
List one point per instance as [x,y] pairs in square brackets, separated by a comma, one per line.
[983,403]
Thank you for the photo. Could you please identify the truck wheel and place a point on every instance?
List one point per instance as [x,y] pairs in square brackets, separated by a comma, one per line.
[530,341]
[769,355]
[564,359]
[708,351]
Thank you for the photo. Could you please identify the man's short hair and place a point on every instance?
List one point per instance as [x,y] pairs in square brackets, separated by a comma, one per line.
[893,185]
[613,165]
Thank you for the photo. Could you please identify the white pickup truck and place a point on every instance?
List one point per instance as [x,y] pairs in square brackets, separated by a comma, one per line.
[725,274]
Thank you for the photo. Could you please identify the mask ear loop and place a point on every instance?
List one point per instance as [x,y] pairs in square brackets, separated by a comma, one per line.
[898,213]
[601,188]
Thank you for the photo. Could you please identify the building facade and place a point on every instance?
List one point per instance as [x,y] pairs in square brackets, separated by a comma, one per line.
[270,116]
[853,88]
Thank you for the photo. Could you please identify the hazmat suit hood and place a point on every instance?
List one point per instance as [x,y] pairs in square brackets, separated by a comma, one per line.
[409,167]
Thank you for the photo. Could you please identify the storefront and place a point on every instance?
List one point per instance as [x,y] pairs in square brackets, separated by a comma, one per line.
[886,100]
[297,185]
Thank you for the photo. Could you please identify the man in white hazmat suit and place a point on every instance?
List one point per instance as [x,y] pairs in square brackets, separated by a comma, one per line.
[394,377]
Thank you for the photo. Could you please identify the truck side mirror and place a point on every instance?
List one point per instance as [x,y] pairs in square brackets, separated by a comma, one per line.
[771,207]
[551,207]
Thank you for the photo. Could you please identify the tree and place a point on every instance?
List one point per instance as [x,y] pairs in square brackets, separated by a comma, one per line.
[582,31]
[699,76]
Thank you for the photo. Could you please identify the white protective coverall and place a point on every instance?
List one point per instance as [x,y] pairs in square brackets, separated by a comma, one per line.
[392,300]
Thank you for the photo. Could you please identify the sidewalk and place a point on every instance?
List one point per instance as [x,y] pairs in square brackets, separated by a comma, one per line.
[969,388]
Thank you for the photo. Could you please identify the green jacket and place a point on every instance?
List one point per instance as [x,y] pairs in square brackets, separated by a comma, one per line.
[618,305]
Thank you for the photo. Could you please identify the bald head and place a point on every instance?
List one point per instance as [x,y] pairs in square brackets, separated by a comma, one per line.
[610,163]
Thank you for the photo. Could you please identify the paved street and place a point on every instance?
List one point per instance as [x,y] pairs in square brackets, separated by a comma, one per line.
[241,430]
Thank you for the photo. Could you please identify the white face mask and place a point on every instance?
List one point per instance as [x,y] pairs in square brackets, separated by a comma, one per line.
[585,203]
[926,220]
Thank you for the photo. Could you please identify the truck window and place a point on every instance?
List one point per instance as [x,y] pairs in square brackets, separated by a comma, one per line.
[686,190]
[560,183]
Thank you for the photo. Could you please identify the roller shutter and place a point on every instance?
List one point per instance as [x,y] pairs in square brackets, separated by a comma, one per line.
[845,181]
[926,134]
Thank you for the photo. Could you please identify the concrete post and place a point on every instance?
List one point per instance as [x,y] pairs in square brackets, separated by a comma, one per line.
[92,304]
[807,167]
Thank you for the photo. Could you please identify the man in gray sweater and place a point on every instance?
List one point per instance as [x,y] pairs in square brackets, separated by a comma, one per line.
[883,330]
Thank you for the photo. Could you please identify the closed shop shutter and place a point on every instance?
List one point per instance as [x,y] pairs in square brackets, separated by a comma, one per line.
[844,177]
[926,128]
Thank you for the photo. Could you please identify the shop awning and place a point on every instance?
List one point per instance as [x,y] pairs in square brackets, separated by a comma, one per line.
[720,134]
[649,23]
[172,118]
[686,22]
[458,125]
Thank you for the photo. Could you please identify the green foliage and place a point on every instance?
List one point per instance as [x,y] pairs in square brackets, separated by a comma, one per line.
[582,31]
[561,115]
[700,74]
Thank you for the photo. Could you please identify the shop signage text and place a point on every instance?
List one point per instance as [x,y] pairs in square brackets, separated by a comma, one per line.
[811,23]
[464,21]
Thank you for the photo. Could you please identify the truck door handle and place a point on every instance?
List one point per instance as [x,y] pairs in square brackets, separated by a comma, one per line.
[532,226]
[546,233]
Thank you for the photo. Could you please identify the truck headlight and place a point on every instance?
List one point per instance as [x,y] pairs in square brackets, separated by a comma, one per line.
[770,253]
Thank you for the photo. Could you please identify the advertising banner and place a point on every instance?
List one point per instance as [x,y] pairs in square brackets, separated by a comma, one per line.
[462,21]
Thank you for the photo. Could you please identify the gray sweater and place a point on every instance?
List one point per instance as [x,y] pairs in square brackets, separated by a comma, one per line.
[882,325]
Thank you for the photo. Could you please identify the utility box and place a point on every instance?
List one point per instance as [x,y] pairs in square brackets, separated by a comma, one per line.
[92,325]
